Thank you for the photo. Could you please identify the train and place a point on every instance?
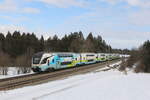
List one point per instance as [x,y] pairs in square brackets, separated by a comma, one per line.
[50,61]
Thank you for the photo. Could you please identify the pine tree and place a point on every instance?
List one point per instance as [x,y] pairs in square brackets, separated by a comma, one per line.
[8,44]
[64,44]
[146,56]
[16,44]
[42,43]
[2,40]
[89,43]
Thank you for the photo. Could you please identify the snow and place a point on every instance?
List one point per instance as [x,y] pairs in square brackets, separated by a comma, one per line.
[12,72]
[97,85]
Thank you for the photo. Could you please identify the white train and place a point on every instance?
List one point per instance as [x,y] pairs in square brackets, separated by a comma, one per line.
[44,61]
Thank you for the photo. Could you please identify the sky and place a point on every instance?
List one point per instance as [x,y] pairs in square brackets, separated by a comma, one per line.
[122,23]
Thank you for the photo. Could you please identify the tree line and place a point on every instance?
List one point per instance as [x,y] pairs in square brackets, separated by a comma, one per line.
[139,59]
[17,49]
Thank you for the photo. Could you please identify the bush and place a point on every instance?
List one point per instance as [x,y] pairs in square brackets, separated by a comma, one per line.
[139,67]
[141,57]
[123,65]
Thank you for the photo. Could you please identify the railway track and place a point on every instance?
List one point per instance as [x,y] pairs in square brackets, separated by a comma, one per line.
[34,79]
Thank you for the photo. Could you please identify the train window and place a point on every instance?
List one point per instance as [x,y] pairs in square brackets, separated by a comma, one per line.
[36,60]
[90,55]
[66,63]
[53,61]
[44,60]
[102,55]
[90,60]
[48,62]
[65,55]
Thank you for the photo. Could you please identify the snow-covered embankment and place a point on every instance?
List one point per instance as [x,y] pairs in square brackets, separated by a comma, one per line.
[108,85]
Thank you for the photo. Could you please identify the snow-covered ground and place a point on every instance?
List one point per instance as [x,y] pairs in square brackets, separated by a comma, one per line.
[12,72]
[97,85]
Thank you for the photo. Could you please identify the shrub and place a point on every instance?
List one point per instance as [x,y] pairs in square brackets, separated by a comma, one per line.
[141,57]
[123,65]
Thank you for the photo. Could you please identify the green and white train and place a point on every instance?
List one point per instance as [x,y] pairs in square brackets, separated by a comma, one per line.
[43,61]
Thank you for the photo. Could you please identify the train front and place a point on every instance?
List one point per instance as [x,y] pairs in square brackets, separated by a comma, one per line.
[36,59]
[43,62]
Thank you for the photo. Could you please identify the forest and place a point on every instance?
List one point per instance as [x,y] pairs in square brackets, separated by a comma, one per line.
[17,49]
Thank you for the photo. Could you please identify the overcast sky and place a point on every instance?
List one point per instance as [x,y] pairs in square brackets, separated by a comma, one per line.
[122,23]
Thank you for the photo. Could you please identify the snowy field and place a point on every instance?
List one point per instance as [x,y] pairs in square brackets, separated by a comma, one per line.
[97,85]
[12,72]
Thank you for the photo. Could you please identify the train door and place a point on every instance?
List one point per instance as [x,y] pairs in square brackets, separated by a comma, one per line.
[58,63]
[80,58]
[97,57]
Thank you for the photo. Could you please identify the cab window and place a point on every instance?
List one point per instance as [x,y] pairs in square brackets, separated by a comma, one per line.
[36,60]
[44,60]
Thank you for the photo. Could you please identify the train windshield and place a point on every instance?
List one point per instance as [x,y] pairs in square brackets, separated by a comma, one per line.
[37,57]
[45,60]
[36,60]
[103,55]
